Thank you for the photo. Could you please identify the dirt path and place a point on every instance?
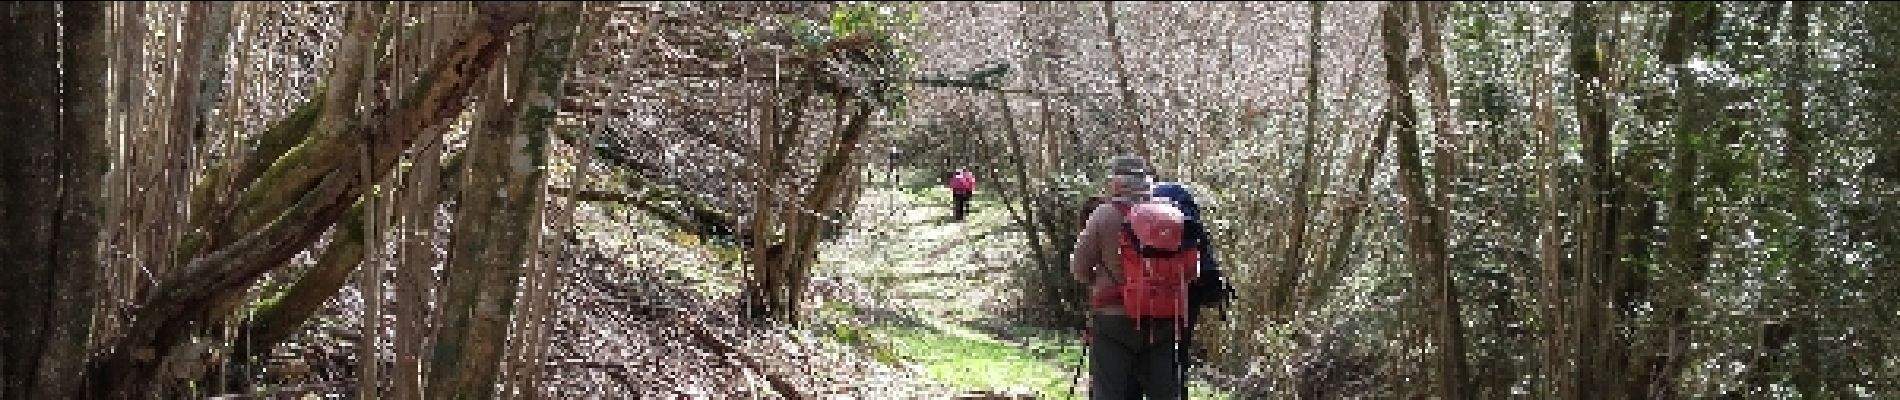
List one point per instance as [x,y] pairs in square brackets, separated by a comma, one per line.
[927,287]
[934,286]
[902,250]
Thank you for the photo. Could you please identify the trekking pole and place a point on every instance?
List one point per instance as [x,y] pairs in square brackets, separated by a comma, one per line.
[1076,380]
[1180,338]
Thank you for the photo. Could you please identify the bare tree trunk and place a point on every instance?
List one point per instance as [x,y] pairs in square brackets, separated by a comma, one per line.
[1595,212]
[177,152]
[1292,259]
[1445,124]
[414,273]
[146,180]
[480,277]
[1329,256]
[824,198]
[127,272]
[84,59]
[1023,195]
[1633,221]
[54,176]
[546,284]
[1445,167]
[1340,257]
[416,224]
[504,185]
[199,70]
[198,91]
[787,223]
[193,121]
[369,360]
[797,220]
[557,217]
[1131,118]
[766,283]
[1557,352]
[1424,233]
[348,247]
[374,206]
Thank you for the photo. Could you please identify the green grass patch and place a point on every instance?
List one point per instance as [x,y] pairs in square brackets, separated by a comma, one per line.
[970,362]
[1043,361]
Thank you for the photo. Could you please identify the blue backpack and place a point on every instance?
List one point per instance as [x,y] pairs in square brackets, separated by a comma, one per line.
[1211,289]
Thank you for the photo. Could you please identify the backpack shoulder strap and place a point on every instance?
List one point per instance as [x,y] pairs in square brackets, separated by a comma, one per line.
[1128,226]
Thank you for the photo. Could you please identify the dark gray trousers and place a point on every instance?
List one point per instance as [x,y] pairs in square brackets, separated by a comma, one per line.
[1122,351]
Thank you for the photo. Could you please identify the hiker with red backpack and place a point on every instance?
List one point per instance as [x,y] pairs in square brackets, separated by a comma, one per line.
[1209,287]
[1137,258]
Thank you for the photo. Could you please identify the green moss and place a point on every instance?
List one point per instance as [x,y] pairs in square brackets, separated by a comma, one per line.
[289,177]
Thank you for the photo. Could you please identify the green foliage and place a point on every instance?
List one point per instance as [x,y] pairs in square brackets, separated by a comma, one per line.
[871,38]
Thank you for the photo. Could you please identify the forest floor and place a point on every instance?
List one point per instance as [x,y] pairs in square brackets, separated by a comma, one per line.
[904,303]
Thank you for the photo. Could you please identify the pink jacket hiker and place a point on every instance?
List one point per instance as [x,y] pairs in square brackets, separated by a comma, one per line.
[964,182]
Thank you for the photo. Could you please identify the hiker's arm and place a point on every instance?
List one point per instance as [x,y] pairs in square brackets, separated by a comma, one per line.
[1082,261]
[1096,249]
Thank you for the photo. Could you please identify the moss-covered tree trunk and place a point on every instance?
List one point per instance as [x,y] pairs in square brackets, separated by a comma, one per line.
[1874,224]
[52,177]
[1805,274]
[1632,215]
[293,201]
[501,196]
[1684,258]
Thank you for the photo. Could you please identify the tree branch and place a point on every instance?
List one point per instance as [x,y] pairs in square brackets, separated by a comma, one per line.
[177,303]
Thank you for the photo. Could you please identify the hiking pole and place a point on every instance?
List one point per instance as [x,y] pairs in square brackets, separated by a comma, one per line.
[1076,380]
[1181,356]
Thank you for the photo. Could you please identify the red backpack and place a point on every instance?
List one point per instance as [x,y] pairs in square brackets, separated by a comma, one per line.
[1158,260]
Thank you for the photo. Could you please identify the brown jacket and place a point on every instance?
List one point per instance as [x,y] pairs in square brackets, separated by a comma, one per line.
[1096,261]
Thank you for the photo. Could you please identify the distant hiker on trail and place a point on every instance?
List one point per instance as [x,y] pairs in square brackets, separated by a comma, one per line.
[896,156]
[1136,259]
[961,186]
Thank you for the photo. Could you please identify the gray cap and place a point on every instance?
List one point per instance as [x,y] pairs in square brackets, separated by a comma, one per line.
[1128,165]
[1132,173]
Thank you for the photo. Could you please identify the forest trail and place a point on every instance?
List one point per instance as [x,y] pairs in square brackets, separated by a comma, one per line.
[933,293]
[930,291]
[903,305]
